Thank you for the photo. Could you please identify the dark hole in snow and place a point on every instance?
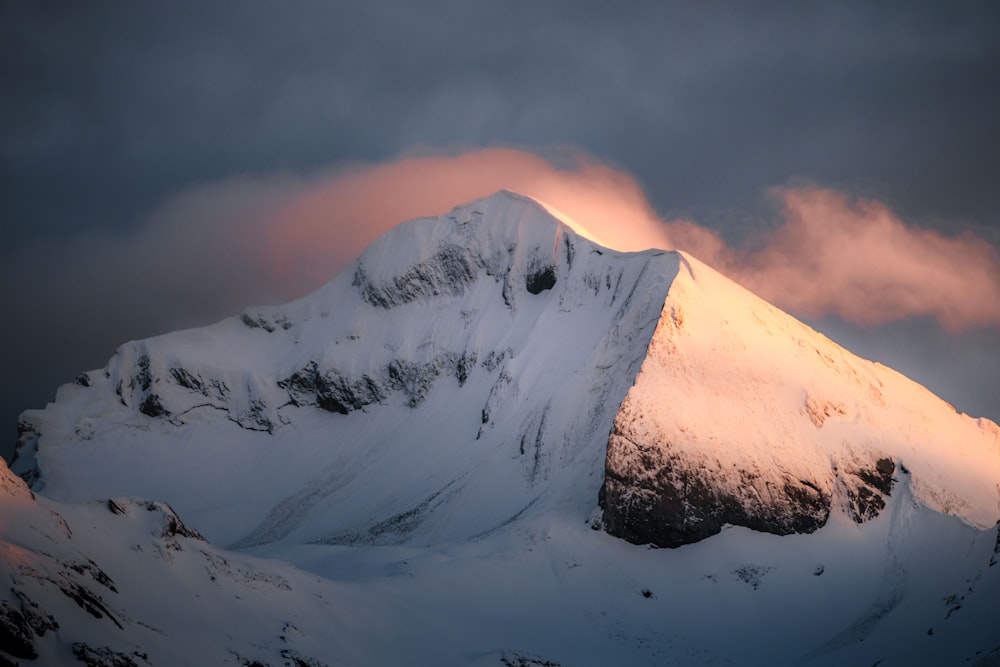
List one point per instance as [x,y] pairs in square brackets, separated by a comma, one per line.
[541,280]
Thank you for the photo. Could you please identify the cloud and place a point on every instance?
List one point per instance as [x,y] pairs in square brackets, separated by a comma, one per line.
[856,259]
[828,254]
[209,252]
[333,218]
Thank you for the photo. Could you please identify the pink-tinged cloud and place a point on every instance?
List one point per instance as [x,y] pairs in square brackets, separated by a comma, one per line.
[331,221]
[210,252]
[857,259]
[830,254]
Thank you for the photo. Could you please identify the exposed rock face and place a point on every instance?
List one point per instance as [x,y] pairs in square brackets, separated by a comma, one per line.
[447,272]
[17,632]
[867,489]
[104,656]
[58,606]
[667,503]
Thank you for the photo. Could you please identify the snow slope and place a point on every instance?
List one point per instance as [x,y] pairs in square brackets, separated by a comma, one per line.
[124,582]
[428,393]
[421,444]
[743,415]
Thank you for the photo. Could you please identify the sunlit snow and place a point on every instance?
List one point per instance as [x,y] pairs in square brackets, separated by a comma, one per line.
[404,467]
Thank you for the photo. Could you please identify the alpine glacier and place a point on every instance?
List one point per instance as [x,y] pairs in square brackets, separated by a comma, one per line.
[439,436]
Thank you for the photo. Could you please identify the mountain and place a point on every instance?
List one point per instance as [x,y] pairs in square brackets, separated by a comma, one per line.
[445,445]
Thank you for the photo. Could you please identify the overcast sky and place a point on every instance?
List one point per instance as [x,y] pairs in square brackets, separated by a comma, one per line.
[152,153]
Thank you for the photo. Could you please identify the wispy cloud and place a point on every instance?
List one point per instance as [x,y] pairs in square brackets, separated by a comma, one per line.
[836,255]
[827,253]
[211,251]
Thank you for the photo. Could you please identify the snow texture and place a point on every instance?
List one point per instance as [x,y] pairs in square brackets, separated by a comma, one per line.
[405,467]
[742,415]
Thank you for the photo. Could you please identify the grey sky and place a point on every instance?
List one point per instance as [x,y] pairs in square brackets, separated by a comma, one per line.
[112,108]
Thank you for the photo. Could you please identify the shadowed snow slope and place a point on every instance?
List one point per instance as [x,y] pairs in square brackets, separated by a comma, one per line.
[432,432]
[465,368]
[125,583]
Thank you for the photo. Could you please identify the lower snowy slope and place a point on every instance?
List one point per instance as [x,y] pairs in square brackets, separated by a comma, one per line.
[124,582]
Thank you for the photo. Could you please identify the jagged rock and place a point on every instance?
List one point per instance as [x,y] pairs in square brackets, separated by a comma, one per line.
[996,547]
[24,463]
[541,279]
[296,659]
[115,508]
[415,380]
[448,271]
[519,659]
[104,656]
[261,321]
[668,504]
[212,388]
[87,600]
[330,390]
[91,568]
[172,524]
[16,634]
[867,489]
[152,406]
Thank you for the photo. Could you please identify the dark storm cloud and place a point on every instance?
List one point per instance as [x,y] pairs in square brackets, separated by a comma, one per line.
[112,108]
[705,103]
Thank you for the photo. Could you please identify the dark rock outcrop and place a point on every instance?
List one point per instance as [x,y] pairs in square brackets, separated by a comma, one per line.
[172,524]
[104,656]
[448,272]
[669,502]
[330,390]
[867,489]
[16,634]
[676,505]
[541,279]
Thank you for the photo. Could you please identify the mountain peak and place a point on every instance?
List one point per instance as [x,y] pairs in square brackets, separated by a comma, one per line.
[505,235]
[456,412]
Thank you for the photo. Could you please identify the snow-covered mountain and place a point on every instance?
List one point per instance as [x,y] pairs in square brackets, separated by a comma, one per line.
[438,432]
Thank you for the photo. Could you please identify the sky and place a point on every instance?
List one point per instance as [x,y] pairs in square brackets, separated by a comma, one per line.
[165,165]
